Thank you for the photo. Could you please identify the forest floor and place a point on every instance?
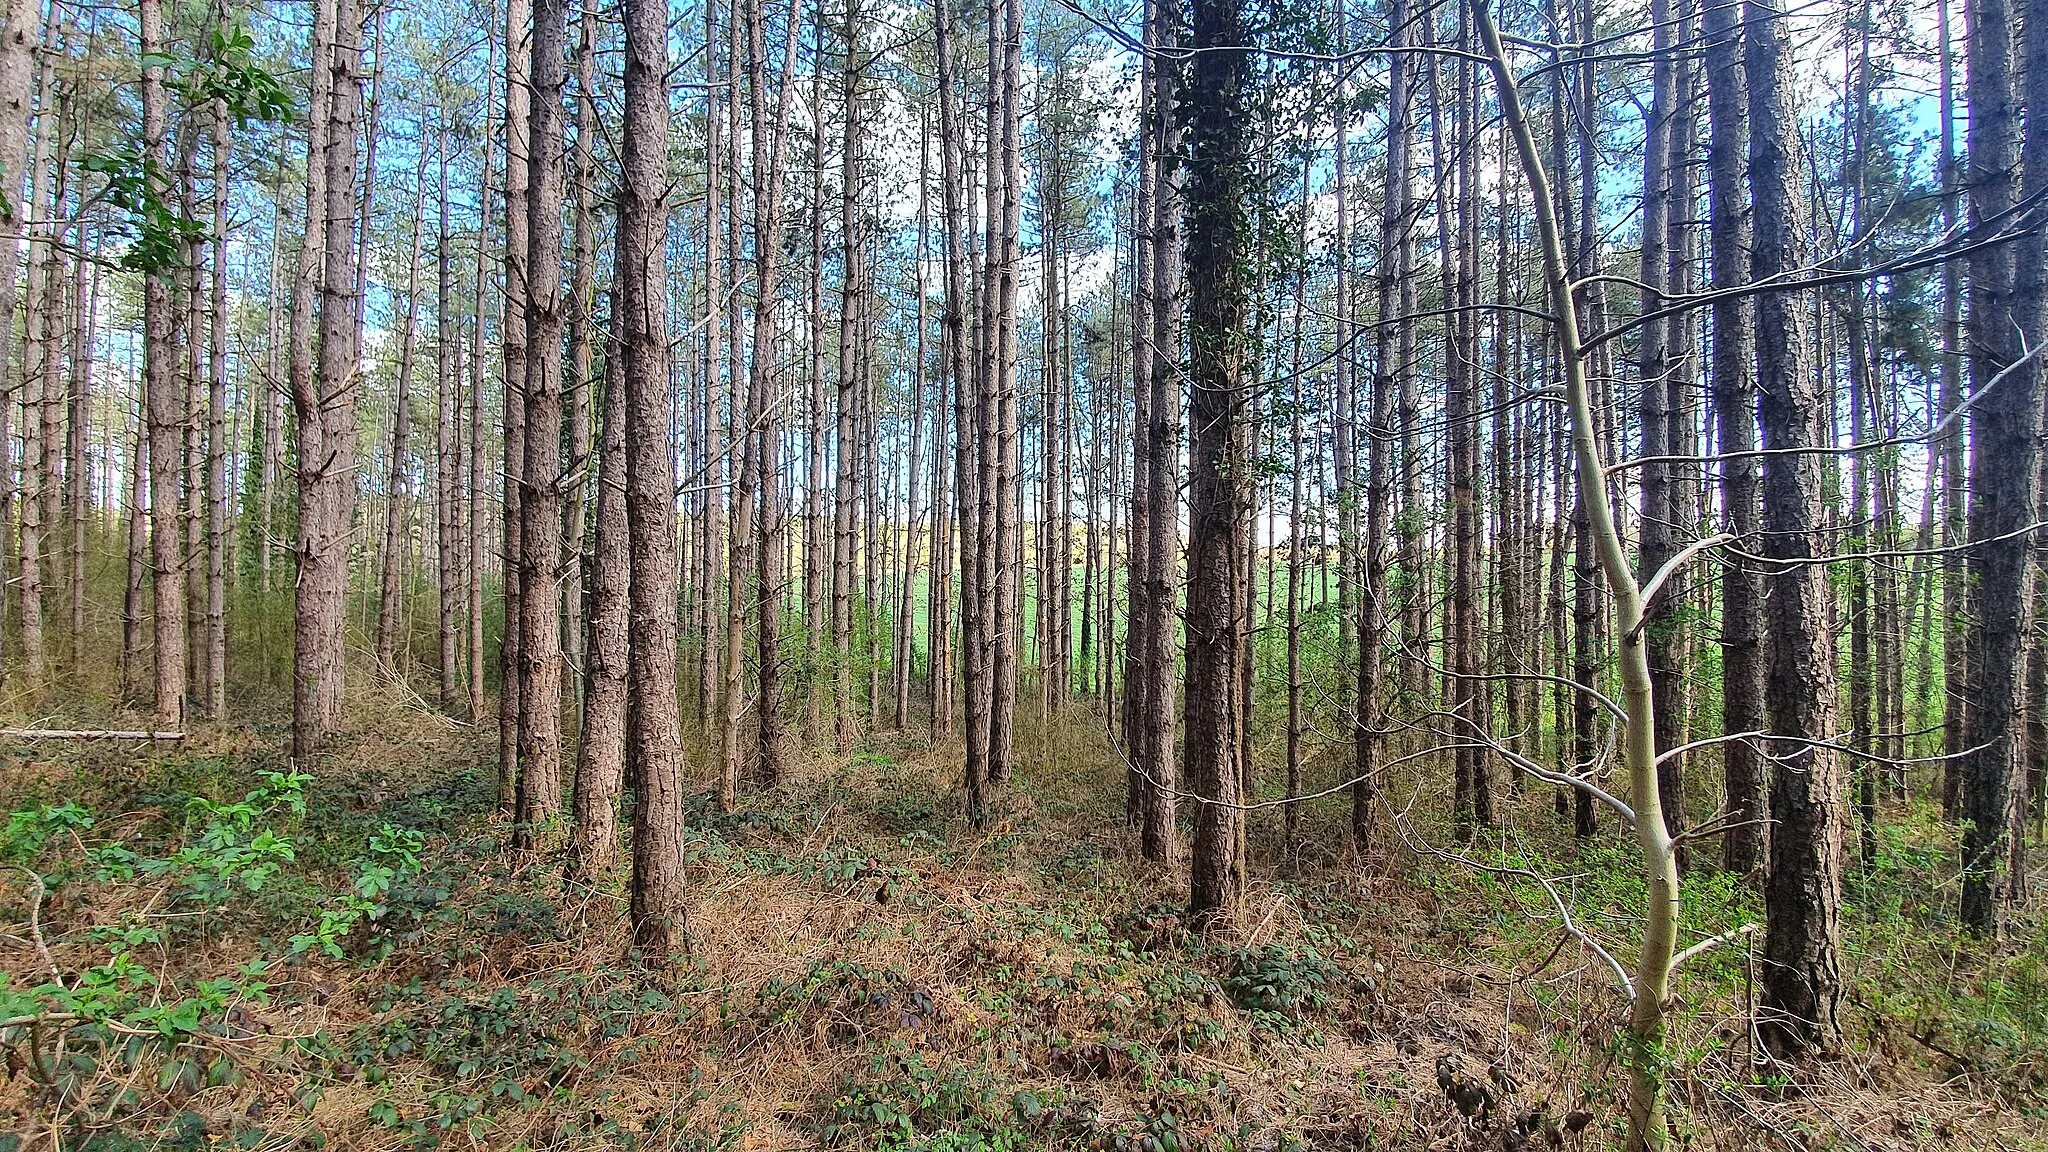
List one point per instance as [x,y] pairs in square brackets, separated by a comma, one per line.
[221,957]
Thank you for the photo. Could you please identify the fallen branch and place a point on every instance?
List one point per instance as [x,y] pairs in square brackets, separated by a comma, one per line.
[1711,943]
[84,734]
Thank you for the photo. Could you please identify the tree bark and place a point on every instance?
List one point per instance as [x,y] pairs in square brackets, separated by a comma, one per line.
[164,402]
[540,501]
[1662,514]
[512,338]
[582,290]
[601,759]
[217,447]
[1743,663]
[1948,448]
[770,142]
[447,454]
[2002,333]
[1218,192]
[1391,368]
[391,574]
[18,72]
[852,386]
[653,741]
[326,413]
[1801,974]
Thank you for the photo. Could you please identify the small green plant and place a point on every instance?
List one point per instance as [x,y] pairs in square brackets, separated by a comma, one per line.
[238,847]
[1277,984]
[394,855]
[905,1102]
[29,829]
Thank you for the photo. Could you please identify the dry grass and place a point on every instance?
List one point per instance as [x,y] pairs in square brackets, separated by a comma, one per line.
[851,939]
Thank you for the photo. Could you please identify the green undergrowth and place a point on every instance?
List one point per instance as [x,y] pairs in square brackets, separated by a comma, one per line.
[211,950]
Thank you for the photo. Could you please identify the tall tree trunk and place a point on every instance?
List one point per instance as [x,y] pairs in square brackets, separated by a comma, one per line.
[1664,521]
[475,490]
[270,470]
[1004,257]
[715,209]
[939,582]
[2030,310]
[19,68]
[217,448]
[1344,432]
[601,758]
[37,377]
[165,404]
[326,413]
[582,339]
[1218,193]
[2003,332]
[1391,369]
[512,338]
[819,539]
[1142,789]
[1298,399]
[1948,448]
[447,453]
[191,318]
[1587,614]
[77,471]
[1863,520]
[770,147]
[904,637]
[391,575]
[968,390]
[1743,663]
[641,317]
[1474,796]
[540,501]
[1801,974]
[1160,633]
[852,385]
[953,324]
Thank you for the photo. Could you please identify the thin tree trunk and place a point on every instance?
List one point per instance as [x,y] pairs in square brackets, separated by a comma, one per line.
[164,403]
[1948,448]
[1004,259]
[390,598]
[1663,520]
[600,761]
[576,564]
[137,496]
[37,375]
[476,489]
[217,448]
[1743,664]
[715,209]
[447,452]
[770,146]
[852,386]
[512,338]
[1160,632]
[1143,790]
[78,474]
[1392,367]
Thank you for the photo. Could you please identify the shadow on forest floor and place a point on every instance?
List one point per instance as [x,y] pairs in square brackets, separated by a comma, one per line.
[204,949]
